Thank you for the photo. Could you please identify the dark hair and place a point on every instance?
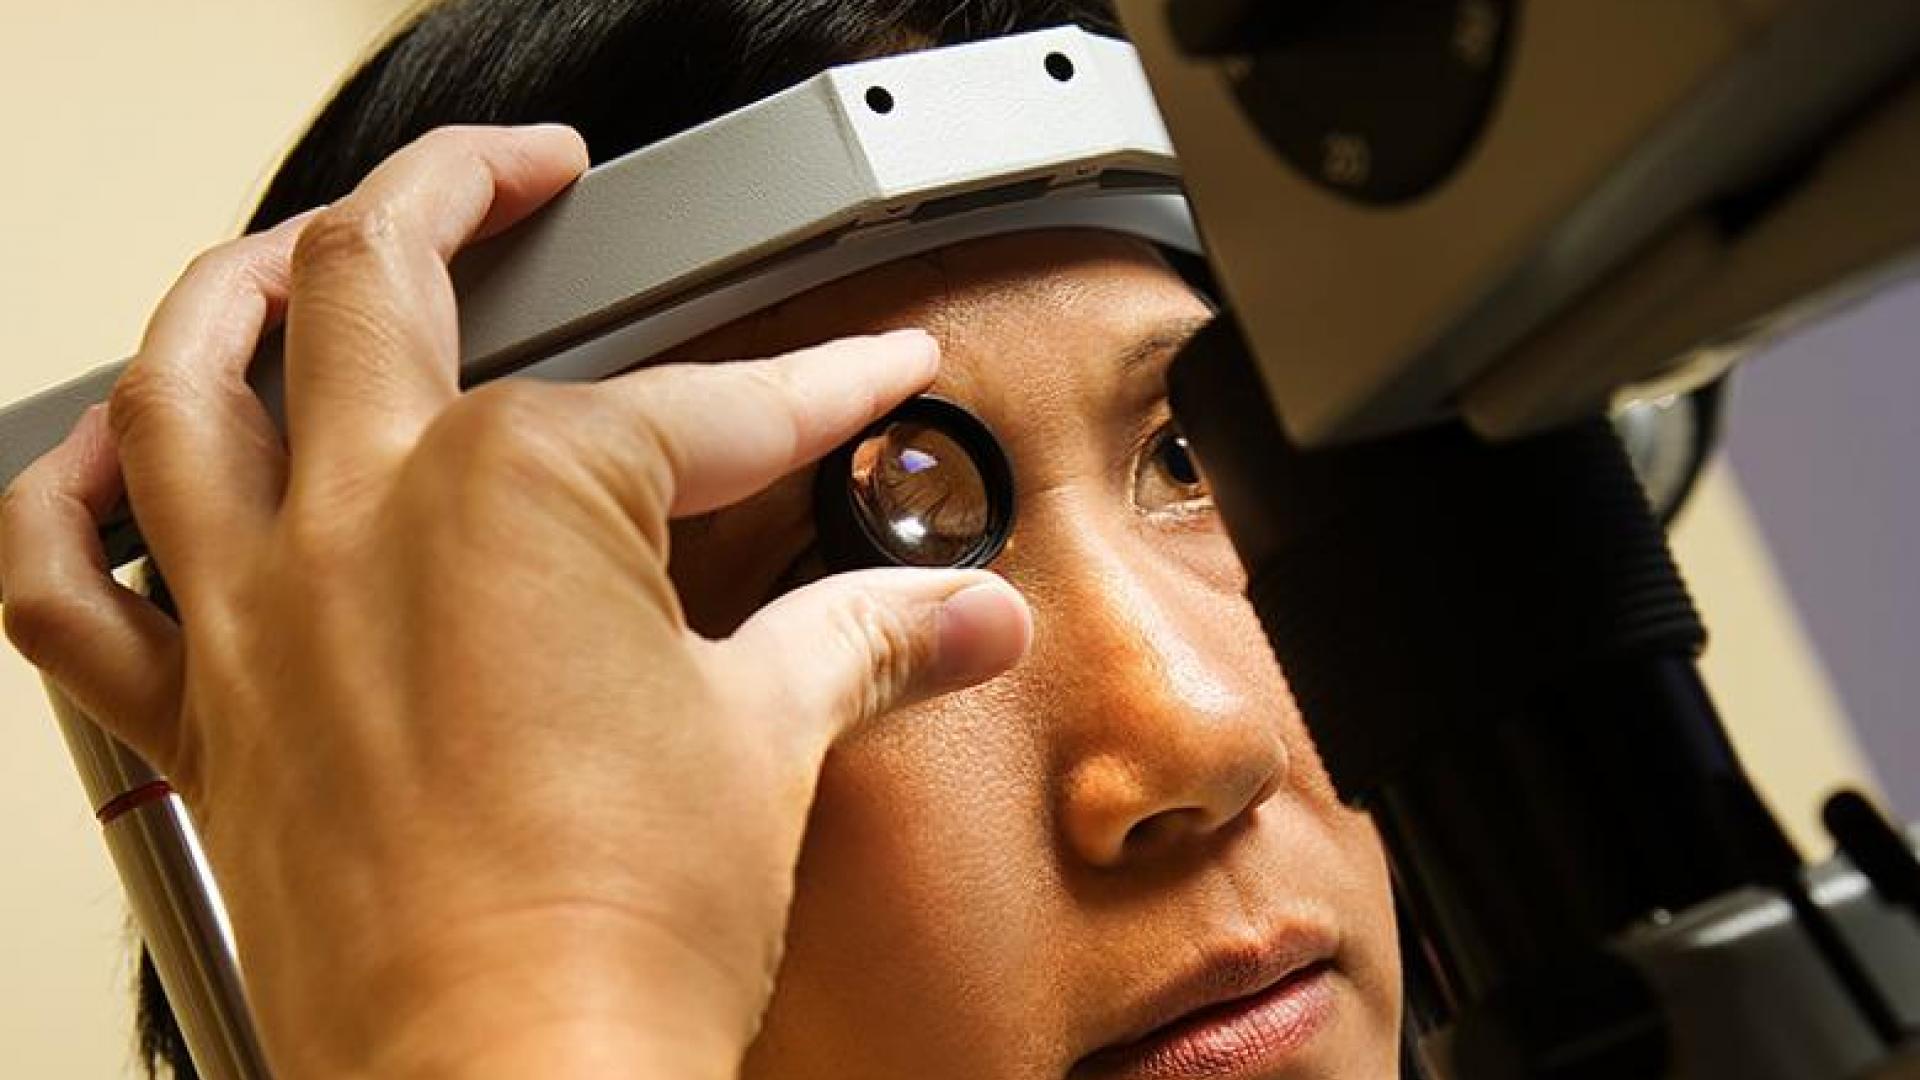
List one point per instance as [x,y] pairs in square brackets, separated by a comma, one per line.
[626,73]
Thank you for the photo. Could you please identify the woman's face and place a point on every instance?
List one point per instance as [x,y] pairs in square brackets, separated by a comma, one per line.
[1130,826]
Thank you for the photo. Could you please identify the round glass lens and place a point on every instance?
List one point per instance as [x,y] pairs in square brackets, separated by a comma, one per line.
[920,495]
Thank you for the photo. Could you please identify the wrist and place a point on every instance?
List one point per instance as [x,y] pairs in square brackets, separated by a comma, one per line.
[505,1043]
[526,1000]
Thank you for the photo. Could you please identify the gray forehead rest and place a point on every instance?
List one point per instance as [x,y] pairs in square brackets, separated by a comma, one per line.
[758,206]
[814,164]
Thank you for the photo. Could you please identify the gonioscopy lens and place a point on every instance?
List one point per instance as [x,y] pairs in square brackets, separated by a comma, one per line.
[927,485]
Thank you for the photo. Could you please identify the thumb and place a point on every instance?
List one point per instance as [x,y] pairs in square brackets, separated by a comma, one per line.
[852,647]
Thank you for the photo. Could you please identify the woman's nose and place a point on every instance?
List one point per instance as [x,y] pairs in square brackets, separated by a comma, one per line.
[1161,739]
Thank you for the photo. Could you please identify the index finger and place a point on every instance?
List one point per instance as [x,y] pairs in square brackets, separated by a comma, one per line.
[713,434]
[372,334]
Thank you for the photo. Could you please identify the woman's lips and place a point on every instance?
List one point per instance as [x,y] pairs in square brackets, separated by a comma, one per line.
[1244,1037]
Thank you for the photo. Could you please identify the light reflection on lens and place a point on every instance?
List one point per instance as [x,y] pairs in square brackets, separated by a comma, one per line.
[919,494]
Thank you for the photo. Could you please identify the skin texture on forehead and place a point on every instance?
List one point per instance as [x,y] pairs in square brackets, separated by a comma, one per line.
[992,879]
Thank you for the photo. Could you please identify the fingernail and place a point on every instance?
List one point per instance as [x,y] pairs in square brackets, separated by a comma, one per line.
[913,335]
[983,630]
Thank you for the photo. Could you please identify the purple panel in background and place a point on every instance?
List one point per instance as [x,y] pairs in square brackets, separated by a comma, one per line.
[1824,435]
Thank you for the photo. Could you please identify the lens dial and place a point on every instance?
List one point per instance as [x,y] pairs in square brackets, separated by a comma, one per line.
[928,486]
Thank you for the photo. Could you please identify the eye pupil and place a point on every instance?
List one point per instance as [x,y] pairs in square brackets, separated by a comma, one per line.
[1176,457]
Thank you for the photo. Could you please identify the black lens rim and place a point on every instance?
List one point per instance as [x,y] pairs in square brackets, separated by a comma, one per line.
[846,543]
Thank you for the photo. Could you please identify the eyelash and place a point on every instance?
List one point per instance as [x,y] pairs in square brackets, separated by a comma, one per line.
[1141,456]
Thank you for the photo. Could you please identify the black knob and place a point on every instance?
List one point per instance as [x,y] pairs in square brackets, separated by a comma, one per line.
[1876,848]
[1377,100]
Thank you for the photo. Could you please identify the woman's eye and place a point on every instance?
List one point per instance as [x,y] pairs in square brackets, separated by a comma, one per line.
[1167,477]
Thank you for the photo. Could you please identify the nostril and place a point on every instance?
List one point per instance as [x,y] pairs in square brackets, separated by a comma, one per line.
[1190,789]
[1156,833]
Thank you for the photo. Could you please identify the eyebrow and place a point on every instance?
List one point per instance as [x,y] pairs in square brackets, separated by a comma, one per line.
[1162,338]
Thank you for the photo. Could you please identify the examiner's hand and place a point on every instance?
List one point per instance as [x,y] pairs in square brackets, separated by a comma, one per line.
[480,802]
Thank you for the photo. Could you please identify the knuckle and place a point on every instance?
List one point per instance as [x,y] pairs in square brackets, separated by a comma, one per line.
[503,414]
[450,139]
[512,429]
[18,503]
[231,260]
[772,380]
[459,147]
[887,642]
[464,144]
[341,234]
[147,391]
[502,456]
[13,500]
[236,267]
[317,538]
[657,460]
[780,387]
[222,264]
[44,626]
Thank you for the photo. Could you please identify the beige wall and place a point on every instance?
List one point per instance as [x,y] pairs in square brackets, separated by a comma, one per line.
[1783,713]
[136,134]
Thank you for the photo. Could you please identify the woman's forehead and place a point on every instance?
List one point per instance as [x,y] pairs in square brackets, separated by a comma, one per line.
[990,302]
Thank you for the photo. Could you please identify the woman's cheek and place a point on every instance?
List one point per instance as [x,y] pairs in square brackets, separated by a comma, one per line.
[923,893]
[1200,546]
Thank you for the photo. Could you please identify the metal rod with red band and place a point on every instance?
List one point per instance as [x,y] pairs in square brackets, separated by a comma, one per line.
[172,896]
[150,792]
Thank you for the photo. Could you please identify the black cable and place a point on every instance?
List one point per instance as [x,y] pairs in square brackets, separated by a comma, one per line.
[1840,959]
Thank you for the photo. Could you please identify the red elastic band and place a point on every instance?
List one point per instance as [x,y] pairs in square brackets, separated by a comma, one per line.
[151,791]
